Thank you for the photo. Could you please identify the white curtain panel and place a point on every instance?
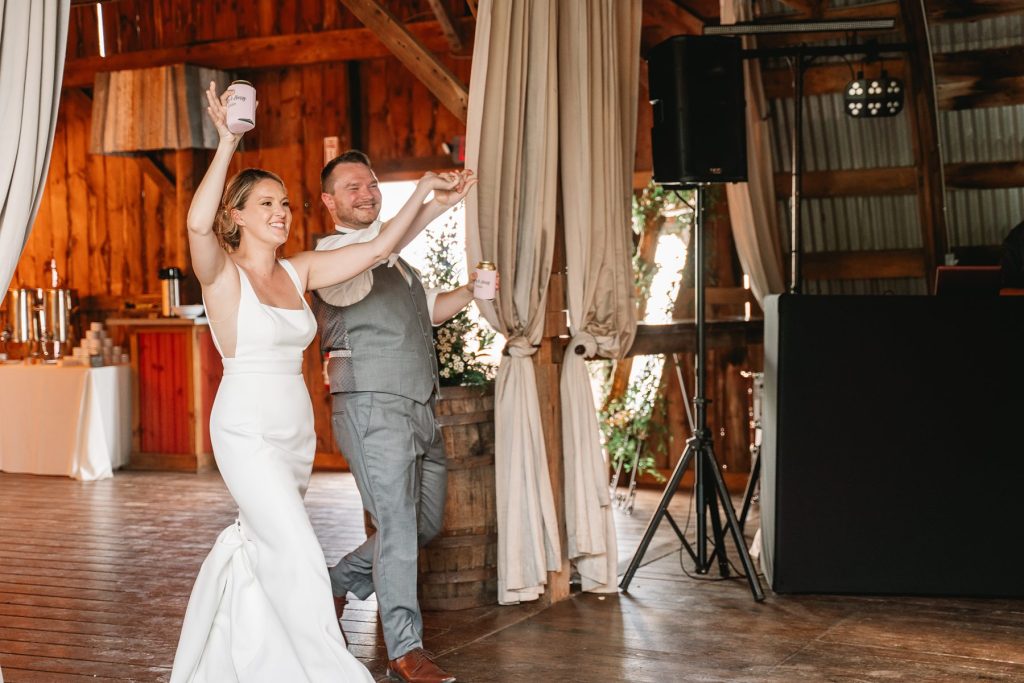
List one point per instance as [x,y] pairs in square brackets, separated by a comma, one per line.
[598,63]
[512,144]
[33,38]
[755,227]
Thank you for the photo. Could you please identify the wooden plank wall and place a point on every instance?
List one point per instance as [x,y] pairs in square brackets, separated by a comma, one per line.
[112,221]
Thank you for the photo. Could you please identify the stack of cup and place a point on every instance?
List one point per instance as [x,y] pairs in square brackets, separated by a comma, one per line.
[92,347]
[96,349]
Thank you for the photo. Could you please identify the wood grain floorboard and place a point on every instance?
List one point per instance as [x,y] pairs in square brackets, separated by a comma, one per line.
[95,577]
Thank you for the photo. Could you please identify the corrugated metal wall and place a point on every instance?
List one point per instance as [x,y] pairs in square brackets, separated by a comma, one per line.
[834,141]
[990,134]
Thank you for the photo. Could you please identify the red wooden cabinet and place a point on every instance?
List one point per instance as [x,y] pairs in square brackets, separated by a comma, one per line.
[177,371]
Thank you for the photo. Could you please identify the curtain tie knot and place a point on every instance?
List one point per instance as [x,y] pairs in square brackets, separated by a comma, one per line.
[520,347]
[584,344]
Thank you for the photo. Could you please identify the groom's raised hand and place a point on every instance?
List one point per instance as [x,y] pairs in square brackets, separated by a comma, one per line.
[450,197]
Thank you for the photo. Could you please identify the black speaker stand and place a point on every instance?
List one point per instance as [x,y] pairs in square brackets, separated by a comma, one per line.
[699,450]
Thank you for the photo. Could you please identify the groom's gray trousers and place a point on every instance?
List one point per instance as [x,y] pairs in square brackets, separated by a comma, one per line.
[395,451]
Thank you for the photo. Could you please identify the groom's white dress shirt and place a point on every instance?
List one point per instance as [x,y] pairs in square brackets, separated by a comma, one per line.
[356,289]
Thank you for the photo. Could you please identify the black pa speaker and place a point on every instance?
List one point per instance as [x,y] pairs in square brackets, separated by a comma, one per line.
[696,89]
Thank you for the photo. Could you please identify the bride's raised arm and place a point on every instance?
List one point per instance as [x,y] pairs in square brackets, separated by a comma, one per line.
[324,268]
[208,256]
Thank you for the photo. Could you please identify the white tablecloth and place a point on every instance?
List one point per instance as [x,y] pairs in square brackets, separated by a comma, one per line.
[72,421]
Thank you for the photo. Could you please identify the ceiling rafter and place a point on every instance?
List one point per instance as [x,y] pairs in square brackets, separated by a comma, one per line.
[448,24]
[663,19]
[423,64]
[353,44]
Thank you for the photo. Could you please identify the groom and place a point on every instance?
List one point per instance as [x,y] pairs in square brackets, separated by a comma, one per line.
[376,330]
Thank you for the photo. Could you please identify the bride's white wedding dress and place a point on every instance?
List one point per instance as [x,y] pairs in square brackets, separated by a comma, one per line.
[261,606]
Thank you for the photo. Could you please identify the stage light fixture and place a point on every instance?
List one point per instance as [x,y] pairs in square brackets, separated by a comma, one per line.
[866,98]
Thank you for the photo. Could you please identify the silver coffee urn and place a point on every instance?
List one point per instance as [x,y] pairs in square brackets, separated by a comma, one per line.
[20,315]
[39,322]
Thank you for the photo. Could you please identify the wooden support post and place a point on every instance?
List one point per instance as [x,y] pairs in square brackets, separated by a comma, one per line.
[189,167]
[185,183]
[547,365]
[923,109]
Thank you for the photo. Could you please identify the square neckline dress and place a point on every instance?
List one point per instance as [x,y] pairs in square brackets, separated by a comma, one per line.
[261,607]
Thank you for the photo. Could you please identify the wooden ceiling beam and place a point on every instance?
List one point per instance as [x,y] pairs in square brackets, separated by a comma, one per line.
[860,182]
[261,53]
[972,79]
[985,175]
[981,93]
[865,265]
[412,168]
[423,64]
[959,10]
[965,80]
[448,24]
[820,80]
[663,19]
[1001,62]
[898,180]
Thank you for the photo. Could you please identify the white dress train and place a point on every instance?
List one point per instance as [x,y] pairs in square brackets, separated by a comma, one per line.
[261,606]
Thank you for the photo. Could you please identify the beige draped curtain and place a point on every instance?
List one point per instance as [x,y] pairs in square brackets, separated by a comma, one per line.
[752,212]
[553,91]
[510,219]
[33,38]
[598,63]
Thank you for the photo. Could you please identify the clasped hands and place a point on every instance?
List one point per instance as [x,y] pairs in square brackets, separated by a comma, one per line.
[450,187]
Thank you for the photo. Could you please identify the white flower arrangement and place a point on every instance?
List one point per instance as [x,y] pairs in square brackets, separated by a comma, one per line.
[462,342]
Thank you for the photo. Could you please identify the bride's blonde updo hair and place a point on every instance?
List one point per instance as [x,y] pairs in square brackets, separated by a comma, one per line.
[236,194]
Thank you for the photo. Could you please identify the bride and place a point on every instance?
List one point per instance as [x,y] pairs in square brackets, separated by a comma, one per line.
[261,606]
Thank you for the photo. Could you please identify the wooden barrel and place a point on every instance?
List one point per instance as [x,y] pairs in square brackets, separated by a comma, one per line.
[459,568]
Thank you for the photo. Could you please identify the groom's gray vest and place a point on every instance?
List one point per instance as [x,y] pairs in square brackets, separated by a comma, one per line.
[386,339]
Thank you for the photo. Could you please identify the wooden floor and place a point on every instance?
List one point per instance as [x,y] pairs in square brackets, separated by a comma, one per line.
[94,579]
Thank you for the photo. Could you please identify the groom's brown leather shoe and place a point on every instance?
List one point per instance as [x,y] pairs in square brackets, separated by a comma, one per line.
[416,667]
[339,604]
